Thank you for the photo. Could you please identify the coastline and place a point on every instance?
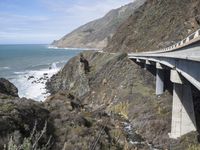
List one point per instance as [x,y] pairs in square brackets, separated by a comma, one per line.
[68,48]
[30,70]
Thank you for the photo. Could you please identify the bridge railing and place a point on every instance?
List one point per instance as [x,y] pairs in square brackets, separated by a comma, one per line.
[192,38]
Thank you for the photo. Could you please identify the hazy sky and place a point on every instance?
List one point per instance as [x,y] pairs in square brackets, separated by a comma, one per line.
[42,21]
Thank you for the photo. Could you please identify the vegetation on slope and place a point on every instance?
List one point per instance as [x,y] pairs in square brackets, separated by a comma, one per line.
[156,24]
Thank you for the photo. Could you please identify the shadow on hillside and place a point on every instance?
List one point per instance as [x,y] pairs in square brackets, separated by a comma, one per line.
[168,86]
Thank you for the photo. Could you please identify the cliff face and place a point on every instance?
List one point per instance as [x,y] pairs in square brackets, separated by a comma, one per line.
[157,24]
[96,34]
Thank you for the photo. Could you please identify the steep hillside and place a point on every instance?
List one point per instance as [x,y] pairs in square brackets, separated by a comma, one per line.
[96,34]
[113,86]
[156,24]
[117,86]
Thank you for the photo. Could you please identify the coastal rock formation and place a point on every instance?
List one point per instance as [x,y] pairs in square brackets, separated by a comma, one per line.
[157,24]
[7,88]
[71,78]
[96,34]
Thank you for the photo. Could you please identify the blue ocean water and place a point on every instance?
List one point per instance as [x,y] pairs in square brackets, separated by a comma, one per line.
[20,62]
[17,58]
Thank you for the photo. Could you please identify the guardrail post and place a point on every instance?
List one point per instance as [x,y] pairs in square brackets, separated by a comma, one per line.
[181,43]
[138,60]
[183,117]
[187,39]
[159,79]
[146,65]
[196,34]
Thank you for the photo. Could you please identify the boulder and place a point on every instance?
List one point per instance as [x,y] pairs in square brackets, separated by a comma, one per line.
[7,88]
[31,77]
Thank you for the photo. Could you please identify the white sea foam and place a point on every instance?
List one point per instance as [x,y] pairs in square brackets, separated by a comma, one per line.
[20,73]
[4,68]
[68,48]
[31,84]
[86,49]
[52,47]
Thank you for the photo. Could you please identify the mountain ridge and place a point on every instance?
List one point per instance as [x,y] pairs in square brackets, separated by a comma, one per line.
[97,33]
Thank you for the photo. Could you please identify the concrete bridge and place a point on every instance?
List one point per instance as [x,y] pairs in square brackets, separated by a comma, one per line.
[183,61]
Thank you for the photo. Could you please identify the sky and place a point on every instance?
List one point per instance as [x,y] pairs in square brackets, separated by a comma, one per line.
[42,21]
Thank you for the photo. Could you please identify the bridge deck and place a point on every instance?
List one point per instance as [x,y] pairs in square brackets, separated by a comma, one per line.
[192,54]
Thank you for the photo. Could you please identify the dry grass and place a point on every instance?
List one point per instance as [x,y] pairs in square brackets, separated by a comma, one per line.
[194,147]
[121,109]
[31,142]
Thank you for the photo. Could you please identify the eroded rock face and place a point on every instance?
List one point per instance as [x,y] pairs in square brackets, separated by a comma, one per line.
[71,78]
[7,88]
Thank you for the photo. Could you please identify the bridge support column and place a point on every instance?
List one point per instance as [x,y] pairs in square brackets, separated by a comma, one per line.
[183,117]
[159,79]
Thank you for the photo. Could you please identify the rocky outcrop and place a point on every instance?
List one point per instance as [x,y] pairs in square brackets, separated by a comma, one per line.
[71,78]
[7,88]
[157,24]
[96,34]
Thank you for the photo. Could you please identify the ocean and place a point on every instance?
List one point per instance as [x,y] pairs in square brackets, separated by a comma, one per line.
[29,67]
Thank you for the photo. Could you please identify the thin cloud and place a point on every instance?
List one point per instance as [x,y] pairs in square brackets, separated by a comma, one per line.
[11,17]
[77,7]
[48,20]
[79,12]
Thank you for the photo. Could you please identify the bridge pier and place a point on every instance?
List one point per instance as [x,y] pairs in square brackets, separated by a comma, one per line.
[159,79]
[183,117]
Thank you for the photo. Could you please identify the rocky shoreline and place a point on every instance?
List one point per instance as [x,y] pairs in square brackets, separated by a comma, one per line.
[109,106]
